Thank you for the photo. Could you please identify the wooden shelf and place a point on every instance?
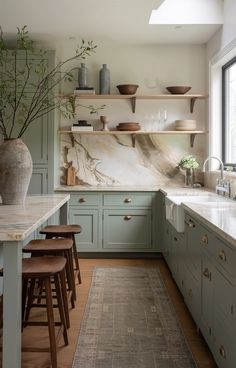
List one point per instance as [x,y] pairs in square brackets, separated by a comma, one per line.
[192,133]
[134,98]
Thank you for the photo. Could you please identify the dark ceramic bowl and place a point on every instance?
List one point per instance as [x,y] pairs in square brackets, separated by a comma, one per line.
[178,90]
[127,89]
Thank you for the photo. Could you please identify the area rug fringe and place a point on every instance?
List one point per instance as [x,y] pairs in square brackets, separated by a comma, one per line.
[130,322]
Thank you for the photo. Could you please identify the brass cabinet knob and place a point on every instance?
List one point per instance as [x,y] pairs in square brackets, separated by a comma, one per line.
[222,351]
[128,200]
[82,200]
[207,273]
[190,224]
[222,255]
[127,217]
[205,239]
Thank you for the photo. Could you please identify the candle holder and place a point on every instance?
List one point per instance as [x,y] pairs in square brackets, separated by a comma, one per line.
[104,120]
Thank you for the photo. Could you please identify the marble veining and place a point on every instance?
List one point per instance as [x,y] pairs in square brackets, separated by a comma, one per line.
[111,160]
[18,221]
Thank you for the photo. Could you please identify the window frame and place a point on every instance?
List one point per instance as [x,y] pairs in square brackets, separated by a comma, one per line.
[225,68]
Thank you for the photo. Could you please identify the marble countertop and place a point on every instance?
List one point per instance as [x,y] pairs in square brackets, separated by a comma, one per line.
[219,217]
[19,221]
[167,190]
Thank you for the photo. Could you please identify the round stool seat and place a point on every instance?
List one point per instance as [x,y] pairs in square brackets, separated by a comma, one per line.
[61,229]
[48,245]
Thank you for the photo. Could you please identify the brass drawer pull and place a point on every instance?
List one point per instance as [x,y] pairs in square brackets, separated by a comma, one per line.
[222,255]
[207,273]
[128,200]
[222,351]
[82,200]
[190,224]
[127,217]
[205,239]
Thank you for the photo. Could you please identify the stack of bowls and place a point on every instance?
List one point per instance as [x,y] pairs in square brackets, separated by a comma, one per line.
[185,124]
[130,126]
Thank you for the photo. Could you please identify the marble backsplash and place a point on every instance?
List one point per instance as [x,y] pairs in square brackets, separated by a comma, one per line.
[111,160]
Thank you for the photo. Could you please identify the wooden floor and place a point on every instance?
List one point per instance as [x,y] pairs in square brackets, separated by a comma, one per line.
[65,354]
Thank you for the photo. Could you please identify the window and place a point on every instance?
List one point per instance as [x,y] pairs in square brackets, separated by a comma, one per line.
[229,113]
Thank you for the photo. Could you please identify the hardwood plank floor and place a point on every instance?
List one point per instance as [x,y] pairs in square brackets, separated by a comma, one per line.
[38,336]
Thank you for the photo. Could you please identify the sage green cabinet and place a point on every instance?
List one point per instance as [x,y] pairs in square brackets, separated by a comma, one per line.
[115,221]
[212,301]
[127,230]
[85,210]
[39,138]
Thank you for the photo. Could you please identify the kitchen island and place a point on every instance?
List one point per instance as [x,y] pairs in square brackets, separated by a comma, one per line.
[17,224]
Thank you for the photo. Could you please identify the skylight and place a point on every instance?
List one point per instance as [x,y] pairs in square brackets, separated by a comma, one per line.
[187,12]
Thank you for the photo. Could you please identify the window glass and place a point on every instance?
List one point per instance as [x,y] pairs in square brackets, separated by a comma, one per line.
[229,112]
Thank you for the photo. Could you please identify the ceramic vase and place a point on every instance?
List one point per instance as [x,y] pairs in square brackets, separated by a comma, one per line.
[15,171]
[83,76]
[104,80]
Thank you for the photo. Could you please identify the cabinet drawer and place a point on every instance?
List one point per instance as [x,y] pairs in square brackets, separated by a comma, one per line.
[223,298]
[128,199]
[224,256]
[85,199]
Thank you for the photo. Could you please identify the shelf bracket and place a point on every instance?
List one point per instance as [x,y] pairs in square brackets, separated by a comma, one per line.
[192,102]
[192,137]
[133,104]
[133,137]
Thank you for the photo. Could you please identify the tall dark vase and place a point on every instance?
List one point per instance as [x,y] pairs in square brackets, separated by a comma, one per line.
[104,80]
[83,76]
[15,171]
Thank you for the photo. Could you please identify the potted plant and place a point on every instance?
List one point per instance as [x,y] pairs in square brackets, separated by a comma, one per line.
[22,69]
[189,164]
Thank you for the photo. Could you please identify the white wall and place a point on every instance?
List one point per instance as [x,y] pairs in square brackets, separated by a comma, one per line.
[153,68]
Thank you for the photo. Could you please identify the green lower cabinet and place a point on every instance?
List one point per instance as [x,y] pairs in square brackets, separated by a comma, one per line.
[207,277]
[192,296]
[127,230]
[88,239]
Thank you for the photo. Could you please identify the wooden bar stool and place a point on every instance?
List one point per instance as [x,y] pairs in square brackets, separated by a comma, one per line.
[43,269]
[64,231]
[56,247]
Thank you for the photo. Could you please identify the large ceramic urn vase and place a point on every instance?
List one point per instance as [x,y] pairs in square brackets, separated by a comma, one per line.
[15,171]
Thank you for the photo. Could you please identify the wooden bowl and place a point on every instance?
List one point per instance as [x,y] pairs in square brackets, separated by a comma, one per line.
[178,90]
[127,89]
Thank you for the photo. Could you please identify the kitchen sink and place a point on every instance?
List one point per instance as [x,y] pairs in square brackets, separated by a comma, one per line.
[175,211]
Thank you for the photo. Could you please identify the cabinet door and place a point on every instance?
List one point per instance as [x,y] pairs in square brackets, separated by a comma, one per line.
[127,230]
[177,258]
[193,236]
[207,299]
[39,182]
[88,239]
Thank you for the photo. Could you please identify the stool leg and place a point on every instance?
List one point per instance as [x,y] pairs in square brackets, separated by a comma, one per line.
[30,299]
[76,258]
[64,297]
[51,326]
[71,277]
[61,308]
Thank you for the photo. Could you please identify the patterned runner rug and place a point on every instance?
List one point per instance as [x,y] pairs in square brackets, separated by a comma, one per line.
[130,322]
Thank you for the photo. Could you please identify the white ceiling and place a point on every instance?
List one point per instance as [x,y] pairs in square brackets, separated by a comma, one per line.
[115,20]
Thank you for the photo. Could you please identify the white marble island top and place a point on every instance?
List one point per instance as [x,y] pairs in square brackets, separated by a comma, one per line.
[18,221]
[219,217]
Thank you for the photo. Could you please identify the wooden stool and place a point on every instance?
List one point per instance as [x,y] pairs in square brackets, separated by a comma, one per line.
[42,269]
[64,231]
[56,247]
